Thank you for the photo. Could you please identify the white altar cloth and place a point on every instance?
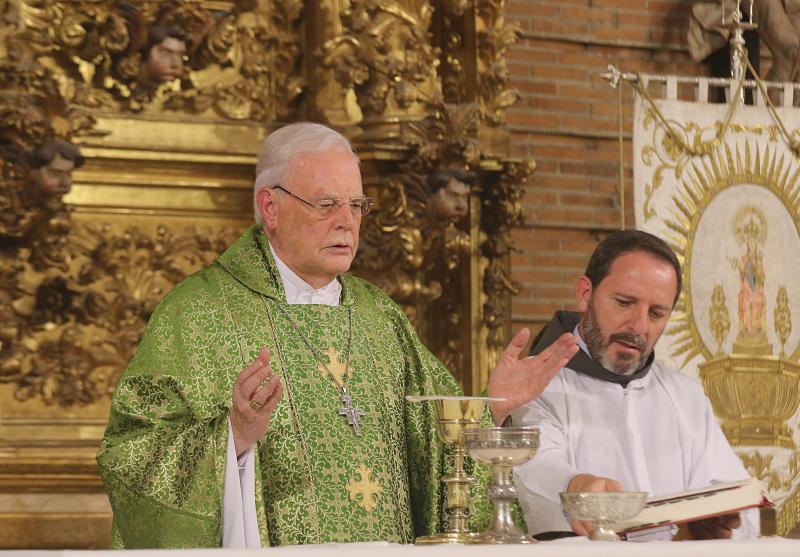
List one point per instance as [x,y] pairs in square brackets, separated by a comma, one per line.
[572,547]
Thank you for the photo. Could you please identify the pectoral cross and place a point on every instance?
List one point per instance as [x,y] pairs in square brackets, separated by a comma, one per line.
[352,413]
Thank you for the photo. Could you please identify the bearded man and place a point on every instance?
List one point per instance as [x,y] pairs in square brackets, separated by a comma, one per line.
[613,418]
[266,404]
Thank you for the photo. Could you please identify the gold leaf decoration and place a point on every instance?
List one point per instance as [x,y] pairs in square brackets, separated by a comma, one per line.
[79,306]
[239,63]
[495,36]
[783,318]
[385,55]
[719,316]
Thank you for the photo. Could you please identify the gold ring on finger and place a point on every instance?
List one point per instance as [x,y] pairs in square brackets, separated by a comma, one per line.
[255,405]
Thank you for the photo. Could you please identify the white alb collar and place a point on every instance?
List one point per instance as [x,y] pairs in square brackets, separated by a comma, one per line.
[581,343]
[299,291]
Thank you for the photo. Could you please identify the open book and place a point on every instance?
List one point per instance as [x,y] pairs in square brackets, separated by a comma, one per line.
[697,504]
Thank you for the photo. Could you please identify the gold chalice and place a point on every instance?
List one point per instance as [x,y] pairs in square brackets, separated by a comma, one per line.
[604,509]
[455,416]
[502,448]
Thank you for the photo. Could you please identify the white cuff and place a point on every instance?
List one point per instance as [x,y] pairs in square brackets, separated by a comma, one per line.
[239,520]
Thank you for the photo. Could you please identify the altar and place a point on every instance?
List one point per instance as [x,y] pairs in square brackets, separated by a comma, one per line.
[571,547]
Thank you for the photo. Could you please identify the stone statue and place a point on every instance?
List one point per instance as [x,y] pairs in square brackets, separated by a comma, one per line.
[778,26]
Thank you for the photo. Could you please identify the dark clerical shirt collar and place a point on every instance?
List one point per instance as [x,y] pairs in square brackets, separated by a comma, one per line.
[582,362]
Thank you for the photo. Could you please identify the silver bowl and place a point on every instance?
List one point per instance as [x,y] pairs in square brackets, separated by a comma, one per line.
[604,509]
[502,448]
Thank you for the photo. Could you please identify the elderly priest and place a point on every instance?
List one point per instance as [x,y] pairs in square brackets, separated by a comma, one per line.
[266,402]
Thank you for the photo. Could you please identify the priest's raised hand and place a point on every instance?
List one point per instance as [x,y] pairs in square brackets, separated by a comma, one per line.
[521,380]
[256,393]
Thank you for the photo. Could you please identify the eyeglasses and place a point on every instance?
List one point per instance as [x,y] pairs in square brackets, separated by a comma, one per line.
[359,206]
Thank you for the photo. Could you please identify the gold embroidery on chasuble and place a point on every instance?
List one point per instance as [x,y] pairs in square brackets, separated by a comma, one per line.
[364,490]
[323,482]
[337,365]
[309,427]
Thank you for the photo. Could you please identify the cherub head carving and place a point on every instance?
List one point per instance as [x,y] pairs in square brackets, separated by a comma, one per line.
[51,166]
[448,194]
[163,56]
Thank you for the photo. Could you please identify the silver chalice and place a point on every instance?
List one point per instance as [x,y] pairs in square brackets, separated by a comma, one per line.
[502,448]
[604,509]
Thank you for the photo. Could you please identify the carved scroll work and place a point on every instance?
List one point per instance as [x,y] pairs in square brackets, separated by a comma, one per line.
[386,57]
[440,240]
[237,60]
[79,305]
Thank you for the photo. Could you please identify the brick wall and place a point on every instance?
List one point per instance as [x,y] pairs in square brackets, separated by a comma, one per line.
[568,120]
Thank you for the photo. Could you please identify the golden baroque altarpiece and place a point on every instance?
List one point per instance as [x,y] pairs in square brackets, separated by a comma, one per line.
[168,102]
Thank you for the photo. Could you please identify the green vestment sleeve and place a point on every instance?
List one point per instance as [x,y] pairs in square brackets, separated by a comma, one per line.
[163,456]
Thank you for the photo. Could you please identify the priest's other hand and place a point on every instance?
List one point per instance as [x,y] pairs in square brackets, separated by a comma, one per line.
[256,393]
[717,528]
[521,380]
[583,483]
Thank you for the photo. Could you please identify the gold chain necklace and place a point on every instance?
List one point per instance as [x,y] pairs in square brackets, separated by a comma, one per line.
[352,413]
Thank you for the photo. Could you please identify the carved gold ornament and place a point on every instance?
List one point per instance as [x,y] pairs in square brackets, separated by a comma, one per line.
[82,304]
[32,113]
[385,55]
[495,36]
[242,62]
[435,264]
[237,58]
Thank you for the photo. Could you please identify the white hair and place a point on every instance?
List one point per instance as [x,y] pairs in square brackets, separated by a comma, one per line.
[282,145]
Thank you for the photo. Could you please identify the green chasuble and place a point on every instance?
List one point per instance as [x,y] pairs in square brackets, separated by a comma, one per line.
[164,453]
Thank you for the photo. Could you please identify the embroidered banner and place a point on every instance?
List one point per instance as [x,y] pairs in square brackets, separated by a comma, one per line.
[722,186]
